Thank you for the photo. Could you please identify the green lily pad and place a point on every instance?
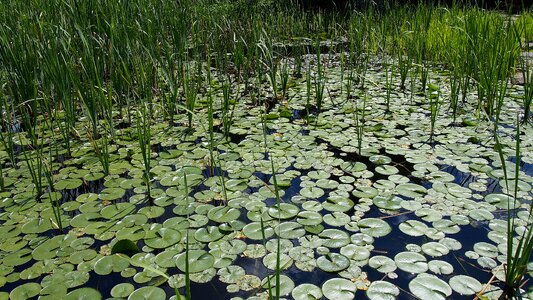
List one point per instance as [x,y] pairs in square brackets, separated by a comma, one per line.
[160,238]
[108,264]
[334,238]
[307,291]
[411,262]
[339,289]
[426,286]
[208,234]
[382,263]
[374,227]
[465,285]
[25,291]
[223,214]
[84,294]
[148,293]
[333,262]
[199,260]
[286,285]
[382,290]
[231,274]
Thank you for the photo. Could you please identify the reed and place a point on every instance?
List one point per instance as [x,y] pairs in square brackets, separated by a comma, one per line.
[519,248]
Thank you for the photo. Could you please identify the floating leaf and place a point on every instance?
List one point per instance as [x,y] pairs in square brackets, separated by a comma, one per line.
[83,294]
[426,286]
[374,227]
[334,238]
[465,285]
[339,289]
[382,290]
[286,285]
[382,263]
[307,291]
[333,262]
[199,260]
[411,262]
[148,293]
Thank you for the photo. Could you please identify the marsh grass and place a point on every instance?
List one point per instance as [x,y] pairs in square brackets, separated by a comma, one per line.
[520,248]
[144,137]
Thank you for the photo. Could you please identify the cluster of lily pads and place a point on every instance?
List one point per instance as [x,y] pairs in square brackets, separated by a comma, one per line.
[383,218]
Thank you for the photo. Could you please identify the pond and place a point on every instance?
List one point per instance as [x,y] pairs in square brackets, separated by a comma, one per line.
[361,195]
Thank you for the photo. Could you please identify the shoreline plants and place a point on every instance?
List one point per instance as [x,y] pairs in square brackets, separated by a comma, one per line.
[264,150]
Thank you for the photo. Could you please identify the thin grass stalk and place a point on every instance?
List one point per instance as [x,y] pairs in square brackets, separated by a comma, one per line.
[144,138]
[54,201]
[278,202]
[517,260]
[187,272]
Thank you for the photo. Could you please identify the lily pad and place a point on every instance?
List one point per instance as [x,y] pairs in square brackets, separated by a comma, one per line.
[382,290]
[426,286]
[339,289]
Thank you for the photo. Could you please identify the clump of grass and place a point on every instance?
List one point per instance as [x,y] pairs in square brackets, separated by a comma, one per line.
[519,249]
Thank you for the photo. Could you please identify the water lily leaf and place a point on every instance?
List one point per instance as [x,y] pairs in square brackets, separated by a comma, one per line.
[122,290]
[486,249]
[446,226]
[312,192]
[112,263]
[355,252]
[232,246]
[339,289]
[290,230]
[231,274]
[160,238]
[152,211]
[208,234]
[382,290]
[25,291]
[334,238]
[286,285]
[502,201]
[285,211]
[337,203]
[68,184]
[413,228]
[125,246]
[309,218]
[389,202]
[333,262]
[48,249]
[148,293]
[365,192]
[84,294]
[336,219]
[307,291]
[411,190]
[426,286]
[380,159]
[374,227]
[435,249]
[199,260]
[249,282]
[253,231]
[223,214]
[382,263]
[440,267]
[36,225]
[386,170]
[111,193]
[465,285]
[117,210]
[411,262]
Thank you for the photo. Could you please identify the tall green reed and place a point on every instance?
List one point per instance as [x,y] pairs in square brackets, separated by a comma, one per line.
[519,249]
[144,138]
